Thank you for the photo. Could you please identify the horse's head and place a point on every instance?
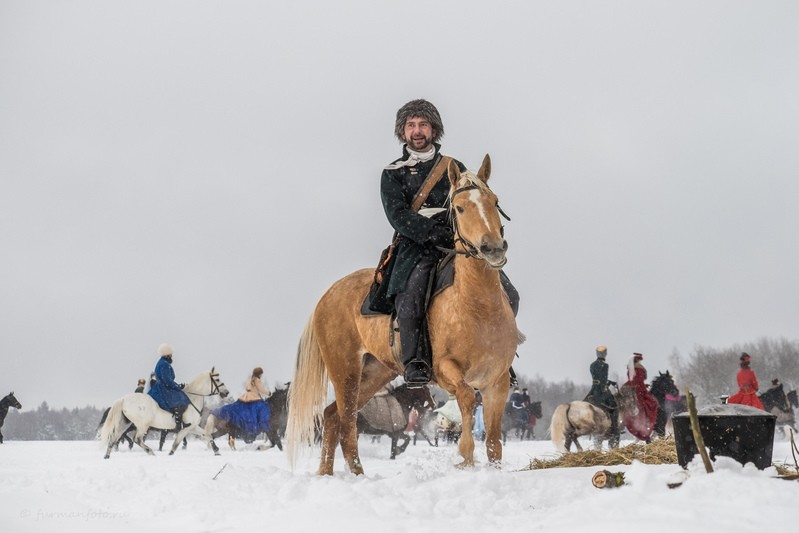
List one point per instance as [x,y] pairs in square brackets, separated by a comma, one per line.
[208,384]
[217,386]
[475,214]
[12,401]
[663,385]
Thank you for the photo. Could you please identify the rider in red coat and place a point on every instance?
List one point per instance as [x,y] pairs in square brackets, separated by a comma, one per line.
[747,385]
[641,424]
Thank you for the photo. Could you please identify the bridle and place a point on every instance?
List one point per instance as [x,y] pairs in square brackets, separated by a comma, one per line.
[216,388]
[470,250]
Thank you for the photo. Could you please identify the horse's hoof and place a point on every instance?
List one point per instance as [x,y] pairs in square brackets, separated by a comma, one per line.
[106,457]
[171,452]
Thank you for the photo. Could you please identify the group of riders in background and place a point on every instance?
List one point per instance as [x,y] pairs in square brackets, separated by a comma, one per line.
[250,414]
[643,421]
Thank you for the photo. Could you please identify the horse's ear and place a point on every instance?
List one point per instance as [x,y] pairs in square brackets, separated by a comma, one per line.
[485,169]
[453,172]
[212,369]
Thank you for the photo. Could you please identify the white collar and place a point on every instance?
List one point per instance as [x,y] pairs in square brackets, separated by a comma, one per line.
[413,158]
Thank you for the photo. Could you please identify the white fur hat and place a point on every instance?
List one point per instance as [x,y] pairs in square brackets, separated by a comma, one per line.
[165,349]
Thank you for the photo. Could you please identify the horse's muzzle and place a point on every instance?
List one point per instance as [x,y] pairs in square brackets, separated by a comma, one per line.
[494,253]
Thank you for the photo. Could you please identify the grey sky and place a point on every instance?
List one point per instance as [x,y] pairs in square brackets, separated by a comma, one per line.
[200,172]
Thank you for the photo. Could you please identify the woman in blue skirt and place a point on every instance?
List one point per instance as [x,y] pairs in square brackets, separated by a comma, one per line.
[250,413]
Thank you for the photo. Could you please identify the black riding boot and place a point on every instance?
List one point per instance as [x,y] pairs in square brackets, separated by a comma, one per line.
[178,413]
[415,355]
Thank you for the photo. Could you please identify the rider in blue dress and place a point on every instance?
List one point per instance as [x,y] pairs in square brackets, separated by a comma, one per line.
[250,414]
[165,391]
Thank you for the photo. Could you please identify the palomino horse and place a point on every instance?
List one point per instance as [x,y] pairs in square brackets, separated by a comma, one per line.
[143,412]
[8,401]
[471,327]
[578,418]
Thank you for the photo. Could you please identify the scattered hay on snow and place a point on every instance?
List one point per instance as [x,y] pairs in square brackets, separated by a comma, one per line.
[658,452]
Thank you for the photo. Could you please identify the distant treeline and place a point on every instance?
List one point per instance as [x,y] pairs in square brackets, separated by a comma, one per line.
[44,423]
[708,372]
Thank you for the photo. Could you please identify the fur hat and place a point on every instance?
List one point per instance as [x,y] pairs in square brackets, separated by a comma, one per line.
[257,371]
[601,352]
[423,109]
[141,381]
[745,357]
[164,349]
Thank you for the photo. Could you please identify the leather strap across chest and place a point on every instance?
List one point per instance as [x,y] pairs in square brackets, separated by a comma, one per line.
[430,182]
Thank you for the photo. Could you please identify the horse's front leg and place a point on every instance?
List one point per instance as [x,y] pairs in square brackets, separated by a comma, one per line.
[493,407]
[193,428]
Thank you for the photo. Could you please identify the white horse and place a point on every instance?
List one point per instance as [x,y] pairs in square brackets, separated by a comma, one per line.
[578,418]
[143,412]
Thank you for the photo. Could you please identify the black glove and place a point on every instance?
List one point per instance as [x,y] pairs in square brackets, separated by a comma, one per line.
[440,235]
[182,385]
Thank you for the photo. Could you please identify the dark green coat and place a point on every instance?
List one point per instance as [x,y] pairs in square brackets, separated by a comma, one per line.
[397,189]
[600,394]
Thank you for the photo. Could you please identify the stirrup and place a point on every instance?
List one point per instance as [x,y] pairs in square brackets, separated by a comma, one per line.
[417,373]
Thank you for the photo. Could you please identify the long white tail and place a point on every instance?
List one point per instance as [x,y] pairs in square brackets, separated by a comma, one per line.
[559,426]
[110,432]
[307,395]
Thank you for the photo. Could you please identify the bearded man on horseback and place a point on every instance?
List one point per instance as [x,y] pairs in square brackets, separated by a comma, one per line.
[165,391]
[416,207]
[601,396]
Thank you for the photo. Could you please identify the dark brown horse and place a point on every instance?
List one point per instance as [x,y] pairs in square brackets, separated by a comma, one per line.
[472,332]
[8,401]
[522,423]
[390,414]
[780,404]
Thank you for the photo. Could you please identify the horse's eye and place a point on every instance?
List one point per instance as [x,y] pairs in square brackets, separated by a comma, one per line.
[502,231]
[459,209]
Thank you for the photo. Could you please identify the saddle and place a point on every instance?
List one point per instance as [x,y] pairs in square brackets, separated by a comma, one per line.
[443,278]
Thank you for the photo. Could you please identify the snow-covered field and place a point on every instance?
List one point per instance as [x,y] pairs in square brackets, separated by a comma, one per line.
[68,486]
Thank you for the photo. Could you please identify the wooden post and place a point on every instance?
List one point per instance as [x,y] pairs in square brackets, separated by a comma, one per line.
[698,440]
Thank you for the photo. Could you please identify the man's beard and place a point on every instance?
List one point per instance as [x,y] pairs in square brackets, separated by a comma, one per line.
[427,142]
